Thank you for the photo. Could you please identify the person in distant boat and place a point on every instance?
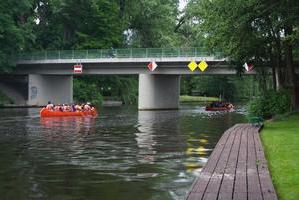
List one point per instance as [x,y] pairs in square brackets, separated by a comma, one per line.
[78,108]
[230,106]
[50,106]
[73,107]
[87,107]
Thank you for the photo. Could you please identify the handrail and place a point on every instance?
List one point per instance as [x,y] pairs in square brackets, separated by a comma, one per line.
[116,53]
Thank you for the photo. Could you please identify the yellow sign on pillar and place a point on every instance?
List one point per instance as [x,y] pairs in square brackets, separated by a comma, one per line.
[192,65]
[203,65]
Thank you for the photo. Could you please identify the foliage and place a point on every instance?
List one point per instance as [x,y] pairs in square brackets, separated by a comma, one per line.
[16,21]
[123,87]
[77,24]
[85,92]
[250,31]
[4,99]
[151,23]
[269,104]
[280,140]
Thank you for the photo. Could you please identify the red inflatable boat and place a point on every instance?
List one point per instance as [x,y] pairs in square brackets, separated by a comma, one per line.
[48,113]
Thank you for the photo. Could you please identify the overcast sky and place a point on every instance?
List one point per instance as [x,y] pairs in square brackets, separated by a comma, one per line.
[182,4]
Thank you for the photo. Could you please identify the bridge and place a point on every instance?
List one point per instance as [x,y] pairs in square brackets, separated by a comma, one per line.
[50,73]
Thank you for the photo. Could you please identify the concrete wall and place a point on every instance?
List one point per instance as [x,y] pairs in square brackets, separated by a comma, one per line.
[54,88]
[158,92]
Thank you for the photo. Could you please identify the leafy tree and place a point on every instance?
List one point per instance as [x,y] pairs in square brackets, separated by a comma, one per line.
[263,32]
[16,21]
[78,24]
[151,23]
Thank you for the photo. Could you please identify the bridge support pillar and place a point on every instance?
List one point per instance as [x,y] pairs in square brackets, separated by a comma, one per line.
[54,88]
[158,92]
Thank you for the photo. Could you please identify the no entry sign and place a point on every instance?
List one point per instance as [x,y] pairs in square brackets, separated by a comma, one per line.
[78,68]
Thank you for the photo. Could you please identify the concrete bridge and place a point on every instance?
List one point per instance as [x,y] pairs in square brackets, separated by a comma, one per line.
[50,73]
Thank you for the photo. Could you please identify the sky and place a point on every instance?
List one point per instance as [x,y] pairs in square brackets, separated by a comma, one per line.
[182,4]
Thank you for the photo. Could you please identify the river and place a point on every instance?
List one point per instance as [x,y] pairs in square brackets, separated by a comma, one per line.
[122,154]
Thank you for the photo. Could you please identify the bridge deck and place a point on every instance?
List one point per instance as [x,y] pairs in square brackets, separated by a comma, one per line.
[237,169]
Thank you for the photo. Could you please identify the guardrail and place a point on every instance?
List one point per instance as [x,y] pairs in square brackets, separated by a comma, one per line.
[116,53]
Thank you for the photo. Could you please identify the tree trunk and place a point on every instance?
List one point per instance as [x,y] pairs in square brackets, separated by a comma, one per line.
[272,63]
[291,75]
[278,65]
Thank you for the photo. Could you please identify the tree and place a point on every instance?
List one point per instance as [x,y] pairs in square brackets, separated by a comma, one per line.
[78,24]
[263,32]
[151,23]
[16,21]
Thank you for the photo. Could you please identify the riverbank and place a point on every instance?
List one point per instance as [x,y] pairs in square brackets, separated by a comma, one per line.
[185,98]
[280,140]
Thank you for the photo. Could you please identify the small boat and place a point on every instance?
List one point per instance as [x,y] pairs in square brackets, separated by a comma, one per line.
[219,106]
[48,113]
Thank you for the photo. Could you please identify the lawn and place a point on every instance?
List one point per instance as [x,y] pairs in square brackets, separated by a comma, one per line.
[186,98]
[281,143]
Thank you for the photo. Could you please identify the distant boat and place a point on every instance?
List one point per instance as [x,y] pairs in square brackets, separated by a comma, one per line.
[219,106]
[48,113]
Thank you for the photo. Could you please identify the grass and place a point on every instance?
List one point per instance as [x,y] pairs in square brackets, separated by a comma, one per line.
[186,98]
[281,143]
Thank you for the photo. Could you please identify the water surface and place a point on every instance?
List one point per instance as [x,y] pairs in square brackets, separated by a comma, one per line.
[122,154]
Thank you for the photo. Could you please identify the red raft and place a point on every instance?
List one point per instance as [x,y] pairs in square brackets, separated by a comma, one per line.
[218,109]
[219,106]
[48,113]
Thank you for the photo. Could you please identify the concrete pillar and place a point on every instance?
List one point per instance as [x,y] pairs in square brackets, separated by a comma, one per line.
[158,92]
[54,88]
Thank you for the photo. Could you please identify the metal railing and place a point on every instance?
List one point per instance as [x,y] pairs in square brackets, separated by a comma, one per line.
[116,53]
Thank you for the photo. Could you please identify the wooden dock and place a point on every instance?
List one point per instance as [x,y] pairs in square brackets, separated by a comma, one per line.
[236,170]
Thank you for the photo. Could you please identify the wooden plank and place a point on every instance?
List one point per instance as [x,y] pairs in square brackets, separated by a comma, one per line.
[254,186]
[217,176]
[202,181]
[267,187]
[240,186]
[237,169]
[226,189]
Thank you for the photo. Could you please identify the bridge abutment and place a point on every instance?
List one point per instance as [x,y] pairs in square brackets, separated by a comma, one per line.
[158,92]
[54,88]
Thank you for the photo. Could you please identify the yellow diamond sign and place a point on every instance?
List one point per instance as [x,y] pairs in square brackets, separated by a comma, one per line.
[203,65]
[192,65]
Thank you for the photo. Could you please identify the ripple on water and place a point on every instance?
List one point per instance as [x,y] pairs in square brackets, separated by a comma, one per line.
[121,154]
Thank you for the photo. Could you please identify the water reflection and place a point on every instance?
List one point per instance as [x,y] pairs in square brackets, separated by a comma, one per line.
[154,127]
[73,124]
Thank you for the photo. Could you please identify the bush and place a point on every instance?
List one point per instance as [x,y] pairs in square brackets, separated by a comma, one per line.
[4,99]
[84,92]
[269,104]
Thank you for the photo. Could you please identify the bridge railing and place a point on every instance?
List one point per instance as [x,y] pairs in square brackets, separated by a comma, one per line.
[116,53]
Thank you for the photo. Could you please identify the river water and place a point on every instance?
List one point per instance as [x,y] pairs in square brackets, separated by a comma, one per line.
[122,154]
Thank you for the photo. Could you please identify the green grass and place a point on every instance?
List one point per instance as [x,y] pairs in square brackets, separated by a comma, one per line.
[186,98]
[281,143]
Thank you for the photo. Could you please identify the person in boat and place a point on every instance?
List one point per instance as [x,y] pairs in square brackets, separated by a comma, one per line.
[78,108]
[87,107]
[73,108]
[50,106]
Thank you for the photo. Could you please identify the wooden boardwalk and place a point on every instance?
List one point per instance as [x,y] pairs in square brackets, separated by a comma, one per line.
[236,170]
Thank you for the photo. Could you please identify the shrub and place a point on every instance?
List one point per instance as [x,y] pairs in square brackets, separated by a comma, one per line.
[269,104]
[84,92]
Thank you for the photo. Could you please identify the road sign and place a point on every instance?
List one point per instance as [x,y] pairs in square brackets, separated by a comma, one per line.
[78,68]
[152,66]
[203,65]
[192,65]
